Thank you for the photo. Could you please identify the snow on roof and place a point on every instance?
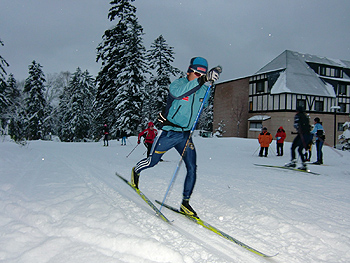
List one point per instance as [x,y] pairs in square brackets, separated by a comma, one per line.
[259,118]
[296,75]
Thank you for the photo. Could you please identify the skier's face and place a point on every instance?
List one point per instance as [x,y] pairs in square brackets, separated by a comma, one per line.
[193,75]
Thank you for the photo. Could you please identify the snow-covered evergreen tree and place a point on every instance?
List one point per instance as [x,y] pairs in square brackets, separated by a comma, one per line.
[159,58]
[75,108]
[4,100]
[121,80]
[205,121]
[55,85]
[35,103]
[15,111]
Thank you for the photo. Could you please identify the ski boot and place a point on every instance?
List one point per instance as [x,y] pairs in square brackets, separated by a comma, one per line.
[303,167]
[135,178]
[292,164]
[187,209]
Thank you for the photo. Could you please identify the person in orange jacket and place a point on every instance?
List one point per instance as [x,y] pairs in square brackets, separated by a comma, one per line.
[265,138]
[280,137]
[150,133]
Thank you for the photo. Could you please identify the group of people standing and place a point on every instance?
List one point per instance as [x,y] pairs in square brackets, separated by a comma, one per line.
[302,142]
[265,139]
[106,136]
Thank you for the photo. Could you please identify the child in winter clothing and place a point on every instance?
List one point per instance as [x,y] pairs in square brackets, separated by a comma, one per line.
[280,137]
[265,138]
[150,133]
[318,131]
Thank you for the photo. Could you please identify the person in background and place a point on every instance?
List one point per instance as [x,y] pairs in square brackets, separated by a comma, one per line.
[105,133]
[118,134]
[150,133]
[318,131]
[185,98]
[123,134]
[280,137]
[265,138]
[303,138]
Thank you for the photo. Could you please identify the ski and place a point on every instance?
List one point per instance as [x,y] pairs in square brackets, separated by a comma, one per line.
[215,230]
[145,198]
[287,168]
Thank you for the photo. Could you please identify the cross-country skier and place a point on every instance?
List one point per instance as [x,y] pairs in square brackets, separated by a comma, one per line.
[183,104]
[303,138]
[150,134]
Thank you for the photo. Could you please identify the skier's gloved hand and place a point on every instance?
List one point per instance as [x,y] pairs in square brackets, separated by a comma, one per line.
[212,75]
[138,142]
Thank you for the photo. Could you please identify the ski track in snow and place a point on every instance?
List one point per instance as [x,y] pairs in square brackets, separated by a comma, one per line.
[61,202]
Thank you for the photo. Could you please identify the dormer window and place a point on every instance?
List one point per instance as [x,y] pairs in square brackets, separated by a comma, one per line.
[330,72]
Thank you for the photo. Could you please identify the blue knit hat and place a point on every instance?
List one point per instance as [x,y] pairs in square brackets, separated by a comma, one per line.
[198,64]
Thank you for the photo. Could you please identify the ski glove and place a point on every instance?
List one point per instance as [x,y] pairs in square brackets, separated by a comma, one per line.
[212,75]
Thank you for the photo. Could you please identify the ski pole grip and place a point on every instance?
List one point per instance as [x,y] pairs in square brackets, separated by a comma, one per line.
[218,68]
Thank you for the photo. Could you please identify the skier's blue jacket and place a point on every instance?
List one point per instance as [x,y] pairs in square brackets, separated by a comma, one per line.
[184,101]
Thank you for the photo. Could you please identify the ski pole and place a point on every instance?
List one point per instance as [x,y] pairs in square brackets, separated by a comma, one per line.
[189,137]
[132,150]
[256,150]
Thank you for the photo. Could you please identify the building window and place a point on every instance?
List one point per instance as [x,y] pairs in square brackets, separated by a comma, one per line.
[330,72]
[342,89]
[319,106]
[250,105]
[342,107]
[340,126]
[256,125]
[301,103]
[260,87]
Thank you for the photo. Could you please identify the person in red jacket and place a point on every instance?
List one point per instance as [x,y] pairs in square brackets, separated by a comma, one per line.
[150,133]
[265,138]
[280,137]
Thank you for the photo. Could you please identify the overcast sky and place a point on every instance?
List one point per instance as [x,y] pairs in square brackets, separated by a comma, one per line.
[242,36]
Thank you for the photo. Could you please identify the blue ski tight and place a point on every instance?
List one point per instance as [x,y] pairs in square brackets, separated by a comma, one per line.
[177,140]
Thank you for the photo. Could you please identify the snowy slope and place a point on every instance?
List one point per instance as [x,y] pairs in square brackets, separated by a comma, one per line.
[61,202]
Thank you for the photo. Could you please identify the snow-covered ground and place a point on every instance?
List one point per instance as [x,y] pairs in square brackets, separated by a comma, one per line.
[61,202]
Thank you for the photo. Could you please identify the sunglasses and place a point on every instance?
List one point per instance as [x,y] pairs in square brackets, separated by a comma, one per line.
[196,73]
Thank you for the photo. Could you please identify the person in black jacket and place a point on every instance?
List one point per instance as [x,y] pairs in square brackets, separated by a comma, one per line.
[303,138]
[105,134]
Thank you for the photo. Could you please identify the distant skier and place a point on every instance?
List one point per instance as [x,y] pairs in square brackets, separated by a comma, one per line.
[123,134]
[318,131]
[118,135]
[303,138]
[150,133]
[265,138]
[105,134]
[280,137]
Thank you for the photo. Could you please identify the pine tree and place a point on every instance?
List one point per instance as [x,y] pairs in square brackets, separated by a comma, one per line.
[15,111]
[35,104]
[121,80]
[76,107]
[4,100]
[205,121]
[159,56]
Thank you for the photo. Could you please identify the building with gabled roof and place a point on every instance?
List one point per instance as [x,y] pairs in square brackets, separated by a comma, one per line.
[269,97]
